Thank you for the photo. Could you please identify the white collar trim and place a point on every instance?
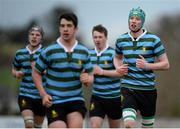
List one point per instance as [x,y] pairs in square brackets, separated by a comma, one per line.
[145,31]
[99,53]
[34,51]
[64,47]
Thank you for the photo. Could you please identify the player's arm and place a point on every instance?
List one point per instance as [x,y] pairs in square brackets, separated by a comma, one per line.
[121,68]
[37,78]
[111,73]
[86,78]
[162,63]
[17,73]
[117,60]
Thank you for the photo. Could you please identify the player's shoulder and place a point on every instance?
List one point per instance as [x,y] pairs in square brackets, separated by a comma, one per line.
[110,48]
[52,45]
[152,36]
[81,46]
[21,50]
[123,37]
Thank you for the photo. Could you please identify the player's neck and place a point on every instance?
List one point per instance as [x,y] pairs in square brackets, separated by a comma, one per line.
[68,43]
[32,48]
[101,48]
[137,33]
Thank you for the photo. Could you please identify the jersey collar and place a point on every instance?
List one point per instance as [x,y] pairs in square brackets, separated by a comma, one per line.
[100,52]
[65,49]
[140,36]
[34,51]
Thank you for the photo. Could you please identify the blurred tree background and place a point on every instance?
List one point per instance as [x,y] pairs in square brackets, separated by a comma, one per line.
[169,83]
[168,28]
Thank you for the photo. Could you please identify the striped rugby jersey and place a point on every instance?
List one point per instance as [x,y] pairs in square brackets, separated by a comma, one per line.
[63,71]
[104,86]
[149,46]
[22,61]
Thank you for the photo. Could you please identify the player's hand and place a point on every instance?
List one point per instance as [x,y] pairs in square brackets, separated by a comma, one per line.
[84,77]
[141,62]
[47,100]
[97,70]
[122,69]
[19,74]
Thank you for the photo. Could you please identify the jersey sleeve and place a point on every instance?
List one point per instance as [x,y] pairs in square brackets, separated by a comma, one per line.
[118,49]
[158,48]
[16,62]
[41,62]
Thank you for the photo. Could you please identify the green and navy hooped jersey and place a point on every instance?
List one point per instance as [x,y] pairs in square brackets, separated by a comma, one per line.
[63,71]
[22,61]
[149,46]
[104,86]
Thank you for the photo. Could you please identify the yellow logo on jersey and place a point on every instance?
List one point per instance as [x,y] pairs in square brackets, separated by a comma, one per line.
[105,62]
[92,106]
[79,62]
[23,103]
[54,114]
[144,49]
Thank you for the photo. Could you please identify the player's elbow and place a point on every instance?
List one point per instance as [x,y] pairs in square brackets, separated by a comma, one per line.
[166,66]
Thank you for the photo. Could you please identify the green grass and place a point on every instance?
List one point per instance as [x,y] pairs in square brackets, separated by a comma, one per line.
[7,51]
[7,79]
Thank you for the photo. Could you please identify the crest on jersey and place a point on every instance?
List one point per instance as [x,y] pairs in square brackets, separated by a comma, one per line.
[105,62]
[80,62]
[144,49]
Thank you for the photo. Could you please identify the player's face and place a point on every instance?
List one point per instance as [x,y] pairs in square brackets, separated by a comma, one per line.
[135,23]
[67,29]
[99,40]
[34,38]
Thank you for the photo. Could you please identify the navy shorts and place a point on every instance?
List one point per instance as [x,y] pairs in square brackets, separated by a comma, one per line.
[35,105]
[61,110]
[101,107]
[142,100]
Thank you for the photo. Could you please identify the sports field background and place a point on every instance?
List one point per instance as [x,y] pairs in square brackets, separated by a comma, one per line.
[17,122]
